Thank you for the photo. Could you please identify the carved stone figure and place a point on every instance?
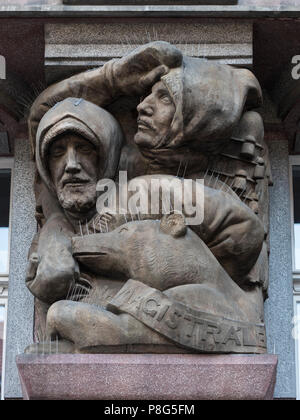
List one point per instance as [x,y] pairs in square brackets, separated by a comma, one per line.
[134,279]
[77,144]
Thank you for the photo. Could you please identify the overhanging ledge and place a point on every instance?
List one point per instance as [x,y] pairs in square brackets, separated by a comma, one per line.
[147,377]
[150,11]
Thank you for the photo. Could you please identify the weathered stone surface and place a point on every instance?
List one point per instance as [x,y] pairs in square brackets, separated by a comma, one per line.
[74,47]
[208,273]
[4,145]
[275,3]
[1,343]
[21,305]
[150,2]
[279,326]
[146,377]
[214,8]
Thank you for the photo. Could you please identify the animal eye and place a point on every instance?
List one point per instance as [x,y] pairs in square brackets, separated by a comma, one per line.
[124,229]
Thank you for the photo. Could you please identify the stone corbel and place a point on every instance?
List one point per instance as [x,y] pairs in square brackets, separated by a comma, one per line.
[73,48]
[15,100]
[286,95]
[150,2]
[14,93]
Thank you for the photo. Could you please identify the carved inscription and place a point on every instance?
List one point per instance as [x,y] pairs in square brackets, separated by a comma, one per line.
[186,326]
[206,248]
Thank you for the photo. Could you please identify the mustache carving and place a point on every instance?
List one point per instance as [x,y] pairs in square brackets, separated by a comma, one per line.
[74,180]
[145,123]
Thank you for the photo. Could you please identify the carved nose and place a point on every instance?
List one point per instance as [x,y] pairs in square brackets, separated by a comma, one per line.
[144,108]
[72,169]
[72,166]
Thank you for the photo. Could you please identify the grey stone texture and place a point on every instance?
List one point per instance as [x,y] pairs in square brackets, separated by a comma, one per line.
[20,302]
[279,306]
[250,3]
[4,145]
[1,343]
[146,2]
[75,47]
[244,9]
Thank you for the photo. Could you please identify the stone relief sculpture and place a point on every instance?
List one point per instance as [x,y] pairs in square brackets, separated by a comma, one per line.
[131,279]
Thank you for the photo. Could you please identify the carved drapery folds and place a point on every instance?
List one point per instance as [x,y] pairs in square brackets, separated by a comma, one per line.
[128,277]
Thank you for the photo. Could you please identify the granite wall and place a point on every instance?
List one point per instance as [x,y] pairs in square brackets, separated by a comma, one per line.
[257,3]
[279,306]
[20,302]
[1,344]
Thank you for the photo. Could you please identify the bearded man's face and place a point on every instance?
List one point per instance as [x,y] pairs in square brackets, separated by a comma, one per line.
[73,165]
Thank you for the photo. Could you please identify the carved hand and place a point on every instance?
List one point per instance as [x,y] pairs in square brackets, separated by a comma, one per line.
[131,75]
[52,269]
[52,278]
[139,70]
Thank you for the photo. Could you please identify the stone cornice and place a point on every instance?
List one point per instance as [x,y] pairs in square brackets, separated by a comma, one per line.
[151,11]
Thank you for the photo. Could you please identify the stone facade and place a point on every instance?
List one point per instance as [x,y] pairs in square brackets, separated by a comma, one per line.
[246,3]
[1,343]
[240,34]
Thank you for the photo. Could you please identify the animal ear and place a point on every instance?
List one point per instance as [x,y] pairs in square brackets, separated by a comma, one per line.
[173,224]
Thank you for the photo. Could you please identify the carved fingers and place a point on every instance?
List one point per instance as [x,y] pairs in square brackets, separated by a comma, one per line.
[32,267]
[129,75]
[152,77]
[144,66]
[50,277]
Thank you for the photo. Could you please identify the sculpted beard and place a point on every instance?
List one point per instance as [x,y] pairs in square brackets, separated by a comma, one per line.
[78,199]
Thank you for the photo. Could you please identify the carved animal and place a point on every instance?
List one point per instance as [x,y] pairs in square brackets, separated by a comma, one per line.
[151,251]
[165,255]
[233,232]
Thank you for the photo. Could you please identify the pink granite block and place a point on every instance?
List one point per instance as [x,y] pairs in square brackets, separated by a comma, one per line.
[1,354]
[147,377]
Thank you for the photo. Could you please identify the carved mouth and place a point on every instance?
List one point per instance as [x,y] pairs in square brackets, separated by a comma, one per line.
[144,125]
[75,182]
[86,254]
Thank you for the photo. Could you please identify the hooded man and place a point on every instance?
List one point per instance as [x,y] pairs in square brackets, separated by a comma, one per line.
[77,144]
[192,112]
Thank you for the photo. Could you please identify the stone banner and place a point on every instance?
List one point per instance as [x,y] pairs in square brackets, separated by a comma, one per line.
[187,326]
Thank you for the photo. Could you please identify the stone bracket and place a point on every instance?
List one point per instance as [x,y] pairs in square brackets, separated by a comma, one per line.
[76,47]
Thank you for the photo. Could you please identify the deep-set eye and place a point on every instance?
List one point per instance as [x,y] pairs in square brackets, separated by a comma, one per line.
[124,229]
[57,152]
[165,99]
[84,149]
